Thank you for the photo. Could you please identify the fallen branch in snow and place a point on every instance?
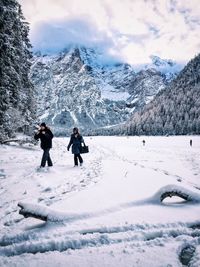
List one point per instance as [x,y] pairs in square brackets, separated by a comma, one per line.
[9,141]
[19,141]
[46,214]
[26,213]
[174,193]
[190,195]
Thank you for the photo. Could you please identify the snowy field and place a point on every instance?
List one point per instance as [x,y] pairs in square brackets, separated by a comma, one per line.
[106,213]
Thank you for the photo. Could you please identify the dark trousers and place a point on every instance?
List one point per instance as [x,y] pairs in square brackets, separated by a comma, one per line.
[46,158]
[76,157]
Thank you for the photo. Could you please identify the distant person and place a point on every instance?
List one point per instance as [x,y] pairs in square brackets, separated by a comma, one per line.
[76,140]
[143,141]
[45,135]
[190,142]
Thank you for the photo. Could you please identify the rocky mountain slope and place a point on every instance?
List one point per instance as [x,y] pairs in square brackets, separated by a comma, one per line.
[77,87]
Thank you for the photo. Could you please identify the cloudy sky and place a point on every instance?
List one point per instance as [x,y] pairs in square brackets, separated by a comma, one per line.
[131,30]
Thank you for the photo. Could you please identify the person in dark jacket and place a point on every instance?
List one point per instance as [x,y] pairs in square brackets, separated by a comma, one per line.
[76,140]
[45,135]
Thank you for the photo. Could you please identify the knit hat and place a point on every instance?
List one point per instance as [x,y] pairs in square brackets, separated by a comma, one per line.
[43,124]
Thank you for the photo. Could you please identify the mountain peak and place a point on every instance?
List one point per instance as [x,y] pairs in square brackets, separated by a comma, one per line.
[157,61]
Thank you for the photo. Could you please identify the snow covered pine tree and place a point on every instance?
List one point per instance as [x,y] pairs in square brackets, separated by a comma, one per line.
[17,92]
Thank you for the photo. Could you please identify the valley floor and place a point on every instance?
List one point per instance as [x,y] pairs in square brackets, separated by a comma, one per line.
[112,214]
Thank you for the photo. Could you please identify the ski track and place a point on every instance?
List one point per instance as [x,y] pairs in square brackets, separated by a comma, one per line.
[138,235]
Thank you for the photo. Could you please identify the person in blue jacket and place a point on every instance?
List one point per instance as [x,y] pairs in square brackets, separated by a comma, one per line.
[76,140]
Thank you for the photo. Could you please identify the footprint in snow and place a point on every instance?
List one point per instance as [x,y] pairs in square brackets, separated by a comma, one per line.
[2,174]
[40,199]
[15,221]
[65,192]
[47,189]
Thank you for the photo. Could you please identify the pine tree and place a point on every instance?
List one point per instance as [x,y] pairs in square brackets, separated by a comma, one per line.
[16,90]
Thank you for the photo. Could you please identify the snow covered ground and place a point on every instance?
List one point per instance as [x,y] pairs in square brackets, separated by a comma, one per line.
[109,92]
[110,210]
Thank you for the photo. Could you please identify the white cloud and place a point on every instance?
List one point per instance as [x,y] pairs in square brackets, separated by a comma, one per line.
[130,29]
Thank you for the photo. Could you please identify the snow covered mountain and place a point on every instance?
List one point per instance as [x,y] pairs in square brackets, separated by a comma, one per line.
[167,67]
[173,111]
[145,85]
[79,87]
[69,95]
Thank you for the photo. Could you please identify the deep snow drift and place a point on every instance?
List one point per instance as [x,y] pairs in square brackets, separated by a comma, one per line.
[106,213]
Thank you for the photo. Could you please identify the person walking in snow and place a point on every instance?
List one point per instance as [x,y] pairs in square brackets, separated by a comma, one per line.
[45,135]
[76,140]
